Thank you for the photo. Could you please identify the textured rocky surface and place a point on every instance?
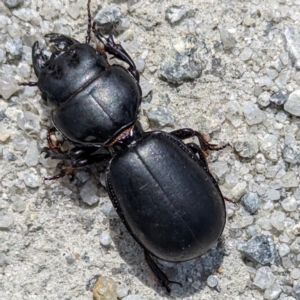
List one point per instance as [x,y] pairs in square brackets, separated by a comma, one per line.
[229,69]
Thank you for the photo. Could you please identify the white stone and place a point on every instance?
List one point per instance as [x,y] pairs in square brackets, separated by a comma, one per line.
[105,238]
[252,113]
[277,220]
[283,249]
[246,54]
[289,204]
[292,105]
[32,155]
[89,192]
[264,278]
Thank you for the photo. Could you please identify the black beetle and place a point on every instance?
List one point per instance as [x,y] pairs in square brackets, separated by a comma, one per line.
[162,190]
[92,101]
[160,187]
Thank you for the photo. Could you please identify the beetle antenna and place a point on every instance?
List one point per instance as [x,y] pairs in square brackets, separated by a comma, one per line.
[88,36]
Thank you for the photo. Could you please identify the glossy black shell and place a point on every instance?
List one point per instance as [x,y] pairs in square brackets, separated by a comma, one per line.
[166,197]
[92,101]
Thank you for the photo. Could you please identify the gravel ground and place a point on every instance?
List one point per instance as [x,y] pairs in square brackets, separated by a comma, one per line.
[229,69]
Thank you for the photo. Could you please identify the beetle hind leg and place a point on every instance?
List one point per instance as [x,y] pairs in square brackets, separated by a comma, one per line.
[186,133]
[161,276]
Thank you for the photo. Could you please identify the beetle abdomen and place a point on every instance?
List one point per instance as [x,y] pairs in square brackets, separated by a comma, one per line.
[101,109]
[169,203]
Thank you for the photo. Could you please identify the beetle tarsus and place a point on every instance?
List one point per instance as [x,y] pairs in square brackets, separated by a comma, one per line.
[161,276]
[30,83]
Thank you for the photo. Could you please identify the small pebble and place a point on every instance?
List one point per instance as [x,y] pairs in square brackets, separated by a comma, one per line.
[251,202]
[252,113]
[6,220]
[277,220]
[89,192]
[212,281]
[105,238]
[246,145]
[295,273]
[108,16]
[289,204]
[13,3]
[264,278]
[32,180]
[175,13]
[19,206]
[280,97]
[122,291]
[32,155]
[283,250]
[227,39]
[246,54]
[273,292]
[269,145]
[160,117]
[3,259]
[292,105]
[259,249]
[105,289]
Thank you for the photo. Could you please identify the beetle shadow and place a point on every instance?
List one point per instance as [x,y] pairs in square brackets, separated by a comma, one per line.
[191,274]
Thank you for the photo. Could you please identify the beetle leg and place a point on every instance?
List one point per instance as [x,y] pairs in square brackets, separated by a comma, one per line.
[61,41]
[162,277]
[30,83]
[38,58]
[197,150]
[186,133]
[117,51]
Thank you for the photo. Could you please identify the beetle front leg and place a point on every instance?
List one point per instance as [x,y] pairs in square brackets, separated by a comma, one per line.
[117,51]
[161,276]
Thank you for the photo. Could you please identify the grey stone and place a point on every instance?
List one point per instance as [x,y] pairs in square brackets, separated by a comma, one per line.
[259,249]
[13,3]
[178,68]
[264,278]
[252,113]
[291,152]
[246,146]
[228,41]
[160,117]
[251,202]
[6,220]
[269,146]
[279,97]
[89,192]
[292,37]
[174,13]
[108,16]
[8,83]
